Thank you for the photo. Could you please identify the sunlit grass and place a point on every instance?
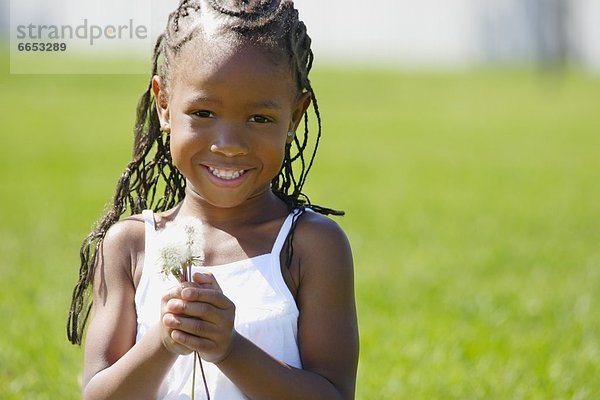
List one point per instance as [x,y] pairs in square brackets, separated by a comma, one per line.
[471,205]
[473,210]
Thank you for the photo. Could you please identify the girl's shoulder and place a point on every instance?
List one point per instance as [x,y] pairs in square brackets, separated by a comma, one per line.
[318,239]
[318,226]
[124,244]
[128,232]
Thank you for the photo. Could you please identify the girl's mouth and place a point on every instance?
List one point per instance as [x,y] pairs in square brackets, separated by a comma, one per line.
[226,174]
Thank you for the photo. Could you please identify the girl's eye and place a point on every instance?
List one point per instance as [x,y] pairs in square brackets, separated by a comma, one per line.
[204,114]
[259,119]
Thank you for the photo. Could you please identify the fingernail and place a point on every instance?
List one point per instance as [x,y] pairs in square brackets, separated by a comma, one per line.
[174,304]
[171,321]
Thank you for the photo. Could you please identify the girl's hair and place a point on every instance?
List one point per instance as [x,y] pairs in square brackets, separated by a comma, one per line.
[152,181]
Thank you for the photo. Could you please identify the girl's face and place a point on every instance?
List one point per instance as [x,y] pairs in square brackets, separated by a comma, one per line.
[229,111]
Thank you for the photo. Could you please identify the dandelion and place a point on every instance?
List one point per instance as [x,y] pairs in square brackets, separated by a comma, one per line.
[181,247]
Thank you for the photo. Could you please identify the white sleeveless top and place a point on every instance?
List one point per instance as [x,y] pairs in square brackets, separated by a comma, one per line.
[266,313]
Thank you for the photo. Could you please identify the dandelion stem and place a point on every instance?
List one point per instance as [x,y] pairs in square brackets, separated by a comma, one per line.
[181,250]
[194,376]
[203,377]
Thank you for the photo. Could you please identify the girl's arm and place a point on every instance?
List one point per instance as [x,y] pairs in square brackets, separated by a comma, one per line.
[115,367]
[327,326]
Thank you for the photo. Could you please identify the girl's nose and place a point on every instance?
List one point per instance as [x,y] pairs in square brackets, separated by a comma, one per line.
[230,142]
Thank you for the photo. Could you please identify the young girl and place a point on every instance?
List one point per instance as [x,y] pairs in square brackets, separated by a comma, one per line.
[272,312]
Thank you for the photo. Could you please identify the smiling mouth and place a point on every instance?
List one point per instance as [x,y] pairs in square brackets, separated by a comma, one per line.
[226,174]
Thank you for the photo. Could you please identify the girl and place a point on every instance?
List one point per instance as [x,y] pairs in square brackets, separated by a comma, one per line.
[273,315]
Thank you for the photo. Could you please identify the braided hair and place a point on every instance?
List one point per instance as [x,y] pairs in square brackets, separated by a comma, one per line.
[150,180]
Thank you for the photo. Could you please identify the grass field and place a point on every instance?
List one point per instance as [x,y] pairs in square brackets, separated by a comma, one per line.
[472,206]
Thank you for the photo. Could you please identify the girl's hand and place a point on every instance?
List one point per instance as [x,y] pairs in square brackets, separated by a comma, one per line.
[165,331]
[199,318]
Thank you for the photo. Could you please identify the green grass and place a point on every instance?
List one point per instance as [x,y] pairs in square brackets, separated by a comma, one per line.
[471,203]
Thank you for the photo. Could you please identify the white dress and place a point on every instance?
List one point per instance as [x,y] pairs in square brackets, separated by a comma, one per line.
[266,313]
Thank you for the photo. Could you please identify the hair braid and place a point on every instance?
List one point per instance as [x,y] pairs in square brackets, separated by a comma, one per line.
[135,190]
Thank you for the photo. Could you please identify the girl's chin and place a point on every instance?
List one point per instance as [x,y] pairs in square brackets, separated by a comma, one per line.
[225,200]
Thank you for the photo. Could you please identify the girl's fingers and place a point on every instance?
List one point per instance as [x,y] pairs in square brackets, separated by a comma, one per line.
[207,306]
[174,292]
[192,342]
[193,326]
[206,279]
[199,317]
[209,296]
[212,341]
[204,289]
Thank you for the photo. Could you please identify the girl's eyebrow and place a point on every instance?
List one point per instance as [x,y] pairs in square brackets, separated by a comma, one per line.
[201,98]
[263,104]
[266,104]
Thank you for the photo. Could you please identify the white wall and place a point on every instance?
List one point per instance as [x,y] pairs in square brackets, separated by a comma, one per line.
[424,32]
[586,32]
[444,33]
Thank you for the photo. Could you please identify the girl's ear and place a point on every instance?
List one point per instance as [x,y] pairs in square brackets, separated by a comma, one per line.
[162,103]
[300,108]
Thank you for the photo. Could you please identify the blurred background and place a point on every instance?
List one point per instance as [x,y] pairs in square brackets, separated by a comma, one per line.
[426,34]
[458,33]
[461,138]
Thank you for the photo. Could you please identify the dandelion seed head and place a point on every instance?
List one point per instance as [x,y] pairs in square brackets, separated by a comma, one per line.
[180,243]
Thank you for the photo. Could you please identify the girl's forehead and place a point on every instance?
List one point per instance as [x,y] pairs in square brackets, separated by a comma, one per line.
[203,62]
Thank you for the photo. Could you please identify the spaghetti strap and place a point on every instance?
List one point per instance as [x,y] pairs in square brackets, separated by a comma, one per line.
[284,231]
[149,226]
[149,219]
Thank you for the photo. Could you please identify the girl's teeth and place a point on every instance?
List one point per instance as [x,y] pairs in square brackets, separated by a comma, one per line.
[228,175]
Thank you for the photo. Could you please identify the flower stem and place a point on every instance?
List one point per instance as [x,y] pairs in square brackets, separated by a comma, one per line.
[197,357]
[187,277]
[194,376]
[203,376]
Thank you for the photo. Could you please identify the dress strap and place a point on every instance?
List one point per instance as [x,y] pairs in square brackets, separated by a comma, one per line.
[149,224]
[285,231]
[149,219]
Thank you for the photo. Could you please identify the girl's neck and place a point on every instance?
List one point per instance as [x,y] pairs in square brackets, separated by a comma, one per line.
[263,207]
